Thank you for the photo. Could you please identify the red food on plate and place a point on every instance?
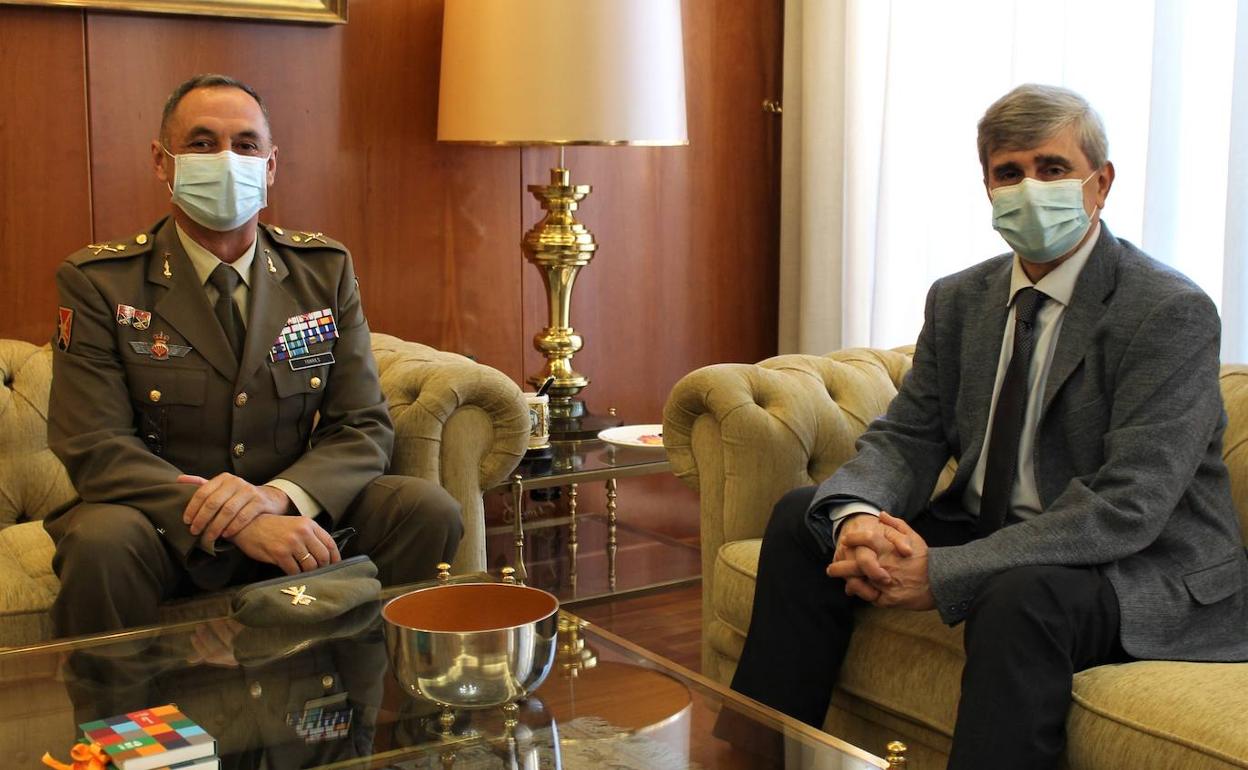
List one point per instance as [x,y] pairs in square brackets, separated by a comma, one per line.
[651,439]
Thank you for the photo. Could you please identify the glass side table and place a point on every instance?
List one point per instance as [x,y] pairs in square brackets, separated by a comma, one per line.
[571,464]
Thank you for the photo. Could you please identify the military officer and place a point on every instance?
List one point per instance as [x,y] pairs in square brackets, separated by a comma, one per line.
[214,396]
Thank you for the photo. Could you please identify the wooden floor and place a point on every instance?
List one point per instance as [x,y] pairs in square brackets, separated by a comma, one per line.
[668,622]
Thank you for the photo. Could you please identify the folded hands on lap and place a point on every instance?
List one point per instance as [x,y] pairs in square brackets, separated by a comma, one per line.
[883,561]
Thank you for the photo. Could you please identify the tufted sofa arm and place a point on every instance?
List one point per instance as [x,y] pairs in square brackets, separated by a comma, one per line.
[743,435]
[33,483]
[457,422]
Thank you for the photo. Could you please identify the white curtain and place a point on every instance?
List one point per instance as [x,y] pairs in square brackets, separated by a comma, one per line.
[882,191]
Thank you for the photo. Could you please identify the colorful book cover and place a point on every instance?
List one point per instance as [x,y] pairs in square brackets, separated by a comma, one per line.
[150,739]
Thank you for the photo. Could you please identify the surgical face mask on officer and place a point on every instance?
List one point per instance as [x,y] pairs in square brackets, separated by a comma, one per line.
[1041,220]
[220,191]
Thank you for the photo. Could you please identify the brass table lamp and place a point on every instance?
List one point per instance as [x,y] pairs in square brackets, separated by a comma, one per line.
[562,72]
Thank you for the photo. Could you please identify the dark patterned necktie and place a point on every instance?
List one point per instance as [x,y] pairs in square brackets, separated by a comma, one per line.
[225,279]
[1007,422]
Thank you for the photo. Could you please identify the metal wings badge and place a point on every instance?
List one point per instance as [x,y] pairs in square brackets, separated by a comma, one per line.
[159,348]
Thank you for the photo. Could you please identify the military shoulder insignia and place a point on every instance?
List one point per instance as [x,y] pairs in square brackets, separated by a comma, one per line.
[159,348]
[126,247]
[64,326]
[303,238]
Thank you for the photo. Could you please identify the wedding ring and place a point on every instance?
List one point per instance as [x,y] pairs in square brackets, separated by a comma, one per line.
[306,555]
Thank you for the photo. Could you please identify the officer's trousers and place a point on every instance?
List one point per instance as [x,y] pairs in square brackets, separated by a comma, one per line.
[115,570]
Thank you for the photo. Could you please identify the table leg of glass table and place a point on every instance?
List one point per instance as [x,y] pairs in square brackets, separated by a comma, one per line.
[517,501]
[573,544]
[612,493]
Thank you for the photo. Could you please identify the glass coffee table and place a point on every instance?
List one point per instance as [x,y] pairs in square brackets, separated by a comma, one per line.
[291,698]
[569,466]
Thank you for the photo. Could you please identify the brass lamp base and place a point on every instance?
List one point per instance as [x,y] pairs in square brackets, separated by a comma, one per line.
[559,246]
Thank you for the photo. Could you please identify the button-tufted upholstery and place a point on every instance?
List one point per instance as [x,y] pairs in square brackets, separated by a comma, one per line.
[744,434]
[457,422]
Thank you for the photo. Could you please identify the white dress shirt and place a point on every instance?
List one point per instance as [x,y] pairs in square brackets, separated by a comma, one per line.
[1058,286]
[204,262]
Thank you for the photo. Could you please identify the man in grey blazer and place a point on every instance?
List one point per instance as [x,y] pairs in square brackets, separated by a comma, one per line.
[214,394]
[1090,520]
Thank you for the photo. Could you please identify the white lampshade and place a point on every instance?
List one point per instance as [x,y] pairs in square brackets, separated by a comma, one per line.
[562,72]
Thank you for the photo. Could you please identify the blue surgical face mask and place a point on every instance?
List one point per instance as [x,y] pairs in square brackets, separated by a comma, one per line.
[220,191]
[1041,220]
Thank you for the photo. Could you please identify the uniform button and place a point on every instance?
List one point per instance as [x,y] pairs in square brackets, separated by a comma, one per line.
[327,681]
[279,231]
[141,238]
[154,395]
[240,399]
[256,690]
[239,450]
[315,382]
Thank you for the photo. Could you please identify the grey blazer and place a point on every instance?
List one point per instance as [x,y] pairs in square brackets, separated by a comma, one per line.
[1128,453]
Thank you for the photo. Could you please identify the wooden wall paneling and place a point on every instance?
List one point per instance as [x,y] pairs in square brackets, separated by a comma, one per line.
[445,217]
[45,208]
[354,113]
[733,58]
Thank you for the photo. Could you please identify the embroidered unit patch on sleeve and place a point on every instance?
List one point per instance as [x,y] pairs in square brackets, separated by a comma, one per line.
[64,326]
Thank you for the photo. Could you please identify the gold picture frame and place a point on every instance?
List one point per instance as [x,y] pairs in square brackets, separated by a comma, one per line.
[306,11]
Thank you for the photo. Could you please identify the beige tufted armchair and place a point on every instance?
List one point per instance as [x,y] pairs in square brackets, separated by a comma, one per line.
[457,422]
[743,435]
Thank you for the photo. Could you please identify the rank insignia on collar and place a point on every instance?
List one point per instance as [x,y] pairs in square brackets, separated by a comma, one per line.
[159,348]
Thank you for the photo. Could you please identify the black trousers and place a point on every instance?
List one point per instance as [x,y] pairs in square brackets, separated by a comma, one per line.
[1027,633]
[115,570]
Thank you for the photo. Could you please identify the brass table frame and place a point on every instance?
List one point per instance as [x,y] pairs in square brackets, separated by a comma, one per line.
[520,484]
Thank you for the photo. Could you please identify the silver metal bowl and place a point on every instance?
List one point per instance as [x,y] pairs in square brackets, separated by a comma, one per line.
[472,645]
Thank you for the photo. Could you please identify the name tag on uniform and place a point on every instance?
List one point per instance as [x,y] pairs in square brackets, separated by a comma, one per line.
[307,362]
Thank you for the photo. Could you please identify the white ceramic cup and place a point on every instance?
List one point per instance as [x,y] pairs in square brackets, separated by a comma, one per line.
[539,420]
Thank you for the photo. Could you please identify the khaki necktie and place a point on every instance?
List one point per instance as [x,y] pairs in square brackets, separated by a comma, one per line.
[225,279]
[1001,469]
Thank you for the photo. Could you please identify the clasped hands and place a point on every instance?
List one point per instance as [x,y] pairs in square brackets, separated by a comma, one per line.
[254,519]
[883,561]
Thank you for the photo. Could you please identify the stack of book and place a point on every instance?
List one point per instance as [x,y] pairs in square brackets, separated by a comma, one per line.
[160,738]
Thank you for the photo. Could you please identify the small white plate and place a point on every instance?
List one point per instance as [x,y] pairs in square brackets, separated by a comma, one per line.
[643,436]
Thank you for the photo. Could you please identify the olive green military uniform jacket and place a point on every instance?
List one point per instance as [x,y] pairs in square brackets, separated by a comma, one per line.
[145,386]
